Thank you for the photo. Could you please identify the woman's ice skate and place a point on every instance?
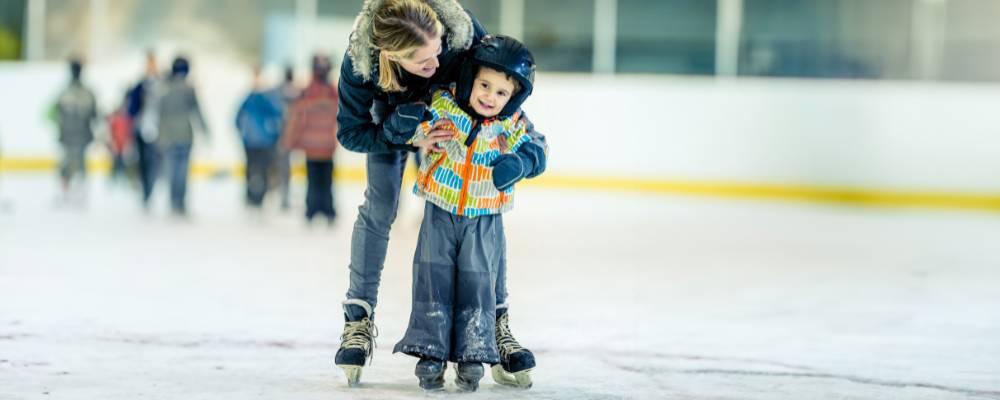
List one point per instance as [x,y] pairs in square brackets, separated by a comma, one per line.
[357,340]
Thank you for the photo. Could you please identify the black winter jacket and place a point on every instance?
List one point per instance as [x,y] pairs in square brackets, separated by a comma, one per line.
[364,106]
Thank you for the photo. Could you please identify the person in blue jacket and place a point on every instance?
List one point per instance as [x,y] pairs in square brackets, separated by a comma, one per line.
[259,120]
[398,52]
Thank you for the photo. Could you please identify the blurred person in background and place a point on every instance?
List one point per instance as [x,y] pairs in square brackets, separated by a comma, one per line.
[178,113]
[77,114]
[312,128]
[143,108]
[399,50]
[120,141]
[259,122]
[288,92]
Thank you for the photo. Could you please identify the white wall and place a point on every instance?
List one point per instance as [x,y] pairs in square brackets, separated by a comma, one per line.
[871,134]
[900,135]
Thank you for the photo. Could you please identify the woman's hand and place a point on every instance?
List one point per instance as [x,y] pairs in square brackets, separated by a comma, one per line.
[401,124]
[439,133]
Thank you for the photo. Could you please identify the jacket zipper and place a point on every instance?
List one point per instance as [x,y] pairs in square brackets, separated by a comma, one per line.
[473,133]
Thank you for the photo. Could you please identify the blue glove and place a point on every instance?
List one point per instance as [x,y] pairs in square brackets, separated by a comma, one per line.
[533,157]
[508,169]
[400,126]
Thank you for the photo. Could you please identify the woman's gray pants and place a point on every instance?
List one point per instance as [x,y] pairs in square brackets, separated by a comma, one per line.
[453,314]
[371,230]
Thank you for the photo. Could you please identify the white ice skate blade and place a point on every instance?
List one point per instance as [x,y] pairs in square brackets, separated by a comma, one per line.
[353,373]
[520,379]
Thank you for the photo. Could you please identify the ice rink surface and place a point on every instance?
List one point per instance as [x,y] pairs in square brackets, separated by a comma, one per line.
[619,296]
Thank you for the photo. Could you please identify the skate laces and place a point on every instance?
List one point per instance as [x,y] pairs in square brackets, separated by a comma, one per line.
[505,339]
[360,335]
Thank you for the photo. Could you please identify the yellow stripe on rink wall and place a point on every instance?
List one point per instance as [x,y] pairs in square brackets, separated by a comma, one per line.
[803,193]
[806,193]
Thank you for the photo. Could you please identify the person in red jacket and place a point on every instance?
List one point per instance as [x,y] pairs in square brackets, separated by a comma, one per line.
[120,139]
[312,128]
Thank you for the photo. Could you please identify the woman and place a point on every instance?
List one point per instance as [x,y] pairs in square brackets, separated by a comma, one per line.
[399,49]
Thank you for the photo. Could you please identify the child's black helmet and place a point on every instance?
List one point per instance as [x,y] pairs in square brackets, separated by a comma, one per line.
[505,54]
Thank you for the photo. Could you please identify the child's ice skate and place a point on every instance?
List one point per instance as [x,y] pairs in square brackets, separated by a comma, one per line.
[431,374]
[468,376]
[357,340]
[516,362]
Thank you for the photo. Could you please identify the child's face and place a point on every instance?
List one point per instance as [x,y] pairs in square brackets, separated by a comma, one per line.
[491,91]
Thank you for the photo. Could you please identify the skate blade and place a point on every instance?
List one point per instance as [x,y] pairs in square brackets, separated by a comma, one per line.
[520,379]
[466,387]
[353,373]
[432,387]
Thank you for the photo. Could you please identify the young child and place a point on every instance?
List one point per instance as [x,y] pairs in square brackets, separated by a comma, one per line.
[461,240]
[312,128]
[120,140]
[259,121]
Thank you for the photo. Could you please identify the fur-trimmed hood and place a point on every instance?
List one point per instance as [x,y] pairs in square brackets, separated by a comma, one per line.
[457,23]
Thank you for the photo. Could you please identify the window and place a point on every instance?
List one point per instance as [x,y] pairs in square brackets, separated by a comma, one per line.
[235,27]
[560,34]
[339,8]
[11,29]
[666,36]
[834,38]
[486,11]
[67,30]
[972,41]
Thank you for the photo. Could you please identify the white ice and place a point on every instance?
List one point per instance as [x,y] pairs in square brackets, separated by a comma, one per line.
[619,296]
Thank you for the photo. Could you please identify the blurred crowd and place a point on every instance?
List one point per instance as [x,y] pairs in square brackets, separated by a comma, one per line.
[150,135]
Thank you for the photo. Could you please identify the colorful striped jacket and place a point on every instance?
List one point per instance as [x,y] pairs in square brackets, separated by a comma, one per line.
[460,179]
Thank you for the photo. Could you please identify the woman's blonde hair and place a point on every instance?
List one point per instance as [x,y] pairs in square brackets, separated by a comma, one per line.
[400,27]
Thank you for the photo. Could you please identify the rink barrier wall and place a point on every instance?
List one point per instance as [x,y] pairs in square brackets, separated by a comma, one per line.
[876,142]
[733,190]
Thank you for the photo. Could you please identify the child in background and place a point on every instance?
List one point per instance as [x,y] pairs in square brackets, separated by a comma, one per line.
[461,242]
[119,140]
[312,128]
[259,121]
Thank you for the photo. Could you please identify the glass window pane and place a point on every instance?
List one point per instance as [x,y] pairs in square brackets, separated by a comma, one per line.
[339,8]
[67,28]
[12,29]
[486,11]
[675,36]
[833,38]
[560,33]
[972,41]
[181,25]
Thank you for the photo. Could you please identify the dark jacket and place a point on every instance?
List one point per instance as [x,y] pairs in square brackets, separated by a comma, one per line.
[364,106]
[77,114]
[177,107]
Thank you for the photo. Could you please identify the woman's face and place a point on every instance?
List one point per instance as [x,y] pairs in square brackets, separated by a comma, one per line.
[424,61]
